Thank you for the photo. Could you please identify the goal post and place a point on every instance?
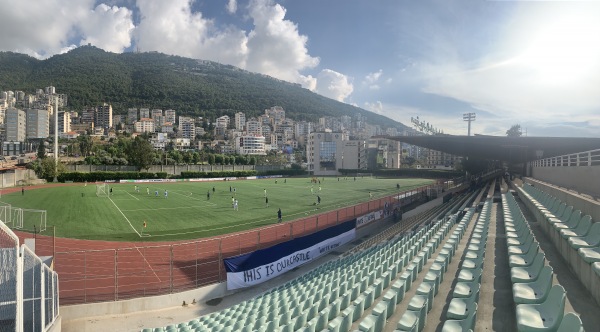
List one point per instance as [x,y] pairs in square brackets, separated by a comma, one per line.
[31,218]
[101,189]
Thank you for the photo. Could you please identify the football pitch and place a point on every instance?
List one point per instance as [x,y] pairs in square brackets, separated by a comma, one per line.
[186,212]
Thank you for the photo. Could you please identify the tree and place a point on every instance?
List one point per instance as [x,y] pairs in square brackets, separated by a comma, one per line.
[85,145]
[514,131]
[47,168]
[141,153]
[41,152]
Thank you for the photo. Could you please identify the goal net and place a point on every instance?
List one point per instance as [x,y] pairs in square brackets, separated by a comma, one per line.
[5,213]
[101,189]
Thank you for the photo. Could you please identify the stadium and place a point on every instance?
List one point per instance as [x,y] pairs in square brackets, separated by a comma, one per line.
[509,249]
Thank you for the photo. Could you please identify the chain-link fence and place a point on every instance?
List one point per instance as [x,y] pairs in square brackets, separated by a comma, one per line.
[28,287]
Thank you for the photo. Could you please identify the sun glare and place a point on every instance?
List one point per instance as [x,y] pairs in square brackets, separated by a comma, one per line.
[565,50]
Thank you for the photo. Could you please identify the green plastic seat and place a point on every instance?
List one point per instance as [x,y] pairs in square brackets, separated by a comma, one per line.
[523,260]
[458,307]
[545,316]
[592,239]
[571,223]
[590,255]
[465,289]
[571,323]
[528,273]
[536,291]
[563,218]
[468,275]
[409,321]
[462,325]
[418,303]
[581,230]
[427,289]
[523,249]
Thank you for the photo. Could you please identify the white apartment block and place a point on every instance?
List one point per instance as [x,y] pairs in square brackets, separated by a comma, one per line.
[222,121]
[170,116]
[254,127]
[327,152]
[250,144]
[187,127]
[145,125]
[240,120]
[64,122]
[15,123]
[37,123]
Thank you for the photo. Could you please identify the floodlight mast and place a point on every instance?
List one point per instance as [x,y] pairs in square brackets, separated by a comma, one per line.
[469,117]
[55,137]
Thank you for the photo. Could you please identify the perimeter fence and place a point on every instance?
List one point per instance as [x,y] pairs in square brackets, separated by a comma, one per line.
[28,287]
[88,276]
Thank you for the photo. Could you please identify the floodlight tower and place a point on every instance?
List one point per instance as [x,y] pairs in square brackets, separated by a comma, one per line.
[469,117]
[55,137]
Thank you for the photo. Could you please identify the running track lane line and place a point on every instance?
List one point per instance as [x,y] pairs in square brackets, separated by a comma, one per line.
[136,247]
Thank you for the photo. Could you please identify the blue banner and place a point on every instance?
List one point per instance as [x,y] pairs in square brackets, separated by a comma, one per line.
[262,265]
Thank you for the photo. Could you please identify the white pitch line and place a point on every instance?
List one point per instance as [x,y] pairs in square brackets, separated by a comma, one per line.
[131,195]
[144,257]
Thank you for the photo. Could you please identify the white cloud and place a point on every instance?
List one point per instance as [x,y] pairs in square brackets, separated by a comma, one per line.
[545,69]
[171,27]
[108,28]
[231,6]
[275,46]
[334,85]
[376,107]
[372,78]
[40,28]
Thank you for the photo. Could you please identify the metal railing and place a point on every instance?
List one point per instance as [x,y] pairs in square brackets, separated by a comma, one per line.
[587,158]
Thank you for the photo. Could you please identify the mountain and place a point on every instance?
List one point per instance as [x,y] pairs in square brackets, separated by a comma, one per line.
[89,76]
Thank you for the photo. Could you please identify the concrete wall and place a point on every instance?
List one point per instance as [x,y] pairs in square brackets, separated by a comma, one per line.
[583,179]
[585,204]
[87,310]
[18,177]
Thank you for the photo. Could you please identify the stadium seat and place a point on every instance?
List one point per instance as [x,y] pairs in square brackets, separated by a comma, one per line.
[545,316]
[418,303]
[409,321]
[468,275]
[571,323]
[462,325]
[536,291]
[427,289]
[458,307]
[523,260]
[465,289]
[528,273]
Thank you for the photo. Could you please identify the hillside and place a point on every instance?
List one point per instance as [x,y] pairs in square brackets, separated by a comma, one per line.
[89,76]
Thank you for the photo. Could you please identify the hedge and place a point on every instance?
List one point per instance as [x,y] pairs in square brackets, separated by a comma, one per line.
[287,172]
[108,176]
[217,174]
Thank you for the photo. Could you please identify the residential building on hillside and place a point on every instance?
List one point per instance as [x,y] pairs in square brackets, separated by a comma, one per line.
[145,125]
[254,127]
[64,122]
[15,124]
[187,127]
[170,116]
[37,123]
[103,116]
[327,152]
[144,113]
[240,120]
[250,144]
[132,115]
[222,121]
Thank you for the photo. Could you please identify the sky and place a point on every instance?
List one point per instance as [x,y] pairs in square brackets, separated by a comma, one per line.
[533,63]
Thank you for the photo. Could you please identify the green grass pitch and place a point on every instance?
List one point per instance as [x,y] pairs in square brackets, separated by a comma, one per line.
[76,211]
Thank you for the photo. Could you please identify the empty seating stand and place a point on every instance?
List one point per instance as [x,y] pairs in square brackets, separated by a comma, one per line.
[539,304]
[574,234]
